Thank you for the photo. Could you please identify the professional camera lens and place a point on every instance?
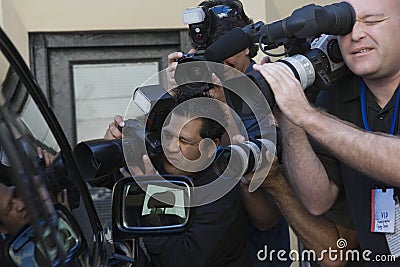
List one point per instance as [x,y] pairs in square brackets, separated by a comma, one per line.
[99,157]
[193,75]
[197,72]
[234,160]
[240,159]
[192,72]
[341,17]
[301,67]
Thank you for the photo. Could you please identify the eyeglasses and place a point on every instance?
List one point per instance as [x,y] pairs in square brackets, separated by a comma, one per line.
[222,11]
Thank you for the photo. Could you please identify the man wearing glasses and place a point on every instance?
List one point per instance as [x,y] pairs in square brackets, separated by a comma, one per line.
[216,234]
[223,16]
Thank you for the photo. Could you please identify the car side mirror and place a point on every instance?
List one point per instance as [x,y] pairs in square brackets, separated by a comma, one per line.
[53,247]
[151,205]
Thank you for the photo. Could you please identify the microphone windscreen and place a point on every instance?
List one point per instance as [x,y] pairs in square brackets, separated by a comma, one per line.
[227,45]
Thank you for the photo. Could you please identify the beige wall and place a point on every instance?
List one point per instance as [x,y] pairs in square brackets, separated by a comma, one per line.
[13,26]
[18,17]
[72,15]
[277,9]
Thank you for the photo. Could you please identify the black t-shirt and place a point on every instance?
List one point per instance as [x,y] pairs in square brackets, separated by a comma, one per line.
[343,101]
[215,236]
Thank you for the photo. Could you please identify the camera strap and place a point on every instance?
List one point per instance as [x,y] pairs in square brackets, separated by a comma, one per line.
[364,109]
[384,207]
[363,95]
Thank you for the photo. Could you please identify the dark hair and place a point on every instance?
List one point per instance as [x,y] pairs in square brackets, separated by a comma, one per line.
[5,174]
[4,177]
[210,128]
[219,27]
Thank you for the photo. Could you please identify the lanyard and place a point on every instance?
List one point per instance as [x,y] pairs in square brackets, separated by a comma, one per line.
[364,109]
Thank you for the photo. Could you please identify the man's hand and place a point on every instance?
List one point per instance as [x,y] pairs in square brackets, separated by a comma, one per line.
[45,155]
[172,63]
[217,92]
[288,92]
[113,132]
[148,168]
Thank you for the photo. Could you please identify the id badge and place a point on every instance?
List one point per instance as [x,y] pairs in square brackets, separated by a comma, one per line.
[382,210]
[393,240]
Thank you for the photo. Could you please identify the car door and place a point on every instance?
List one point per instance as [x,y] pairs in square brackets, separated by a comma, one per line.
[27,123]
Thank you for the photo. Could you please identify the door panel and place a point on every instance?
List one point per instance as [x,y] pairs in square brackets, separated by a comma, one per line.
[57,57]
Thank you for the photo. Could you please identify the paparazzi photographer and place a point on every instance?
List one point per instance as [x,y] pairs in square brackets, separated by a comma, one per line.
[215,236]
[355,149]
[13,215]
[275,232]
[224,15]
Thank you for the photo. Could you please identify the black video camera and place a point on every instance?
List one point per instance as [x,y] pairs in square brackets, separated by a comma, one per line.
[318,66]
[194,79]
[313,57]
[194,74]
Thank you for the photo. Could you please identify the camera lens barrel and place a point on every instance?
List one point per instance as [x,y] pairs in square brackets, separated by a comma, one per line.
[340,20]
[99,157]
[192,68]
[240,159]
[231,161]
[301,67]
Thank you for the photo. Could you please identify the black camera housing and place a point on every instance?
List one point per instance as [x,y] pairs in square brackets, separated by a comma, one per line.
[193,75]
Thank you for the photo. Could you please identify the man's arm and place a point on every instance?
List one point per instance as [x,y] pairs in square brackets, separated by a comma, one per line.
[316,232]
[261,208]
[374,154]
[307,174]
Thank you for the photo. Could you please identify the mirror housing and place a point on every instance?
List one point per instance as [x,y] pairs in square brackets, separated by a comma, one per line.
[151,205]
[24,249]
